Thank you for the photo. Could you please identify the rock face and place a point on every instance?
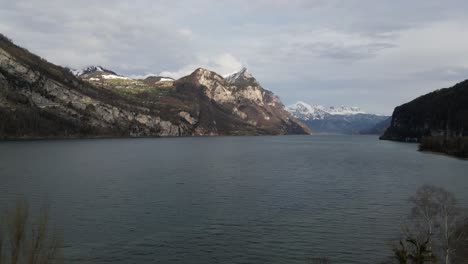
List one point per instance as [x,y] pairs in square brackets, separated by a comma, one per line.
[335,120]
[442,113]
[242,96]
[42,100]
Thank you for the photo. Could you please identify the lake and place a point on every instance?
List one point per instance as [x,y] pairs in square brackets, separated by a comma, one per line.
[282,199]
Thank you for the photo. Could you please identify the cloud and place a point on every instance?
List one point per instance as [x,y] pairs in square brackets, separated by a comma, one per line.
[348,52]
[121,36]
[374,54]
[222,64]
[332,44]
[448,73]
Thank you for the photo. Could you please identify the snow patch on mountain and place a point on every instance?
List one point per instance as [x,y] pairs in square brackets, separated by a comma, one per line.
[242,78]
[165,79]
[76,72]
[242,73]
[305,111]
[114,77]
[91,69]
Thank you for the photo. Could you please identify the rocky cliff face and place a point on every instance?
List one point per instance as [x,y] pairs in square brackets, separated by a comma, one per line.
[443,113]
[42,100]
[241,95]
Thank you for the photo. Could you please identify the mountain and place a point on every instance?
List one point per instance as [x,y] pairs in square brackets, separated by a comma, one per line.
[157,79]
[90,70]
[441,113]
[334,120]
[42,100]
[244,97]
[242,78]
[306,111]
[439,120]
[378,129]
[97,73]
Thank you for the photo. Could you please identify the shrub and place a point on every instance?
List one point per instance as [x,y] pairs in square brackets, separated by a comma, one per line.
[26,241]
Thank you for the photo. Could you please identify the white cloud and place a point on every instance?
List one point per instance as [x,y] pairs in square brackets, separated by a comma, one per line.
[222,64]
[375,54]
[126,37]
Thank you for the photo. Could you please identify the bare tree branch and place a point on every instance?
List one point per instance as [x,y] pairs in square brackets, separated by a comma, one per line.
[434,217]
[17,227]
[30,242]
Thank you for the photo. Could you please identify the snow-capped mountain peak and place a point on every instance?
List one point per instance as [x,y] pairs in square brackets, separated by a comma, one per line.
[344,110]
[306,111]
[239,75]
[91,69]
[241,78]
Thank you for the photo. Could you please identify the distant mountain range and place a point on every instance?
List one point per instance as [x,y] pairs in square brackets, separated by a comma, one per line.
[306,111]
[337,120]
[42,100]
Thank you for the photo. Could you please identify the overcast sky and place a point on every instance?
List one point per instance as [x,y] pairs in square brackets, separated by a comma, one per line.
[366,53]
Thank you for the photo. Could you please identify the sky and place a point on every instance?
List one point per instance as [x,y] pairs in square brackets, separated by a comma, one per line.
[372,54]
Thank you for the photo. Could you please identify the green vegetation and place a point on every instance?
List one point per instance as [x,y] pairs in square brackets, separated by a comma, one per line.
[121,83]
[136,89]
[457,146]
[131,84]
[145,90]
[27,241]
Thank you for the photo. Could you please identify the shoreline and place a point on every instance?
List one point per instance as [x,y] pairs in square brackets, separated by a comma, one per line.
[139,137]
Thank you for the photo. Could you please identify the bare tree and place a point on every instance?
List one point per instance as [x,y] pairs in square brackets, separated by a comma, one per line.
[434,217]
[461,246]
[448,218]
[401,253]
[424,211]
[30,242]
[413,251]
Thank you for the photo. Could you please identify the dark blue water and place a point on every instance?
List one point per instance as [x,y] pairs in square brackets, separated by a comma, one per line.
[225,199]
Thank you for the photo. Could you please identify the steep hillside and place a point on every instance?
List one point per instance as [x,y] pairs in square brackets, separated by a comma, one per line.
[441,113]
[242,96]
[439,120]
[42,100]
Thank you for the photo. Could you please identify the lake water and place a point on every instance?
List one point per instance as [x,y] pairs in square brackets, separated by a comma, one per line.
[280,199]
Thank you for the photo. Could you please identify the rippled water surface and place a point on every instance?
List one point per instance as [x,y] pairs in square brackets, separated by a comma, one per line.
[225,199]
